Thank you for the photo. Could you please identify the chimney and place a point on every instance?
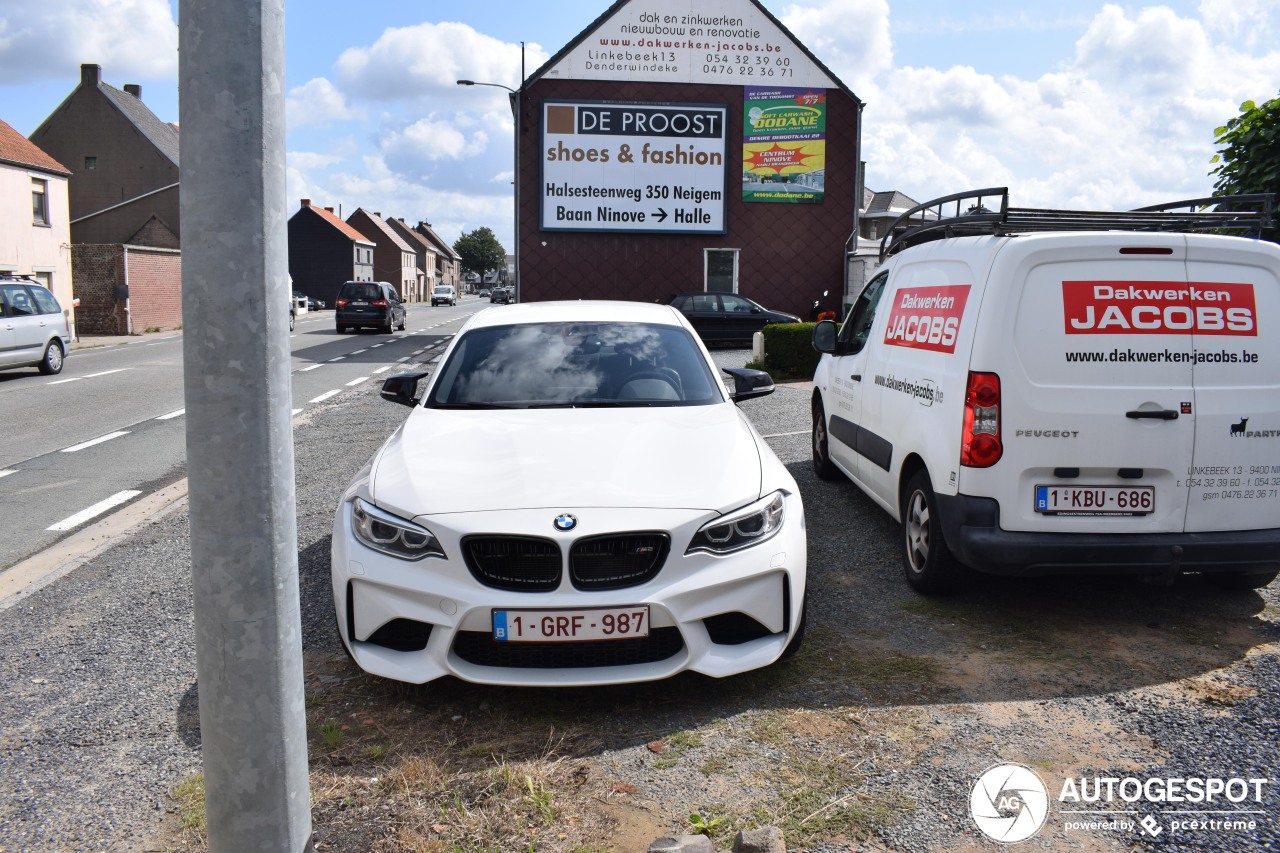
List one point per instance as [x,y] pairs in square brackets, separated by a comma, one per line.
[133,89]
[378,213]
[90,75]
[330,209]
[306,202]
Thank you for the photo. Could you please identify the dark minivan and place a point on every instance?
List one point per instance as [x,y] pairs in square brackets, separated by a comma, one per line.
[369,303]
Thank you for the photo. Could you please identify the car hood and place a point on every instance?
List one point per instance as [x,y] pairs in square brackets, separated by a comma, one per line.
[442,460]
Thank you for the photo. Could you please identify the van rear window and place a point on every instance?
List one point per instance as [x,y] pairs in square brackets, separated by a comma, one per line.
[361,291]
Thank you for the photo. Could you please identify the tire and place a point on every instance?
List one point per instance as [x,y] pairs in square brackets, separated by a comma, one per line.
[404,322]
[1242,580]
[51,361]
[822,465]
[929,565]
[389,327]
[340,329]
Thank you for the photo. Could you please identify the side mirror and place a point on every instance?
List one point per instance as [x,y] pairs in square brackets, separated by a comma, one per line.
[403,388]
[748,383]
[824,336]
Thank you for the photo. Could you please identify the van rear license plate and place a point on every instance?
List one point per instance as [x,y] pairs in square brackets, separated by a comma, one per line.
[1095,500]
[563,626]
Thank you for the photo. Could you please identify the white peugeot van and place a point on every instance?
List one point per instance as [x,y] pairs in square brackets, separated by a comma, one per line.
[1036,392]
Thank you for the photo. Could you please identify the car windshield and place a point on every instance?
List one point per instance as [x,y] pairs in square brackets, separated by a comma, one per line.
[573,365]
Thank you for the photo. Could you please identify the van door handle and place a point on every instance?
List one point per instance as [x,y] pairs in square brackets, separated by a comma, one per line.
[1160,415]
[857,377]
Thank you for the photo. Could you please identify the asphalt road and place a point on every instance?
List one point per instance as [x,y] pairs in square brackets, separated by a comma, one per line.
[110,429]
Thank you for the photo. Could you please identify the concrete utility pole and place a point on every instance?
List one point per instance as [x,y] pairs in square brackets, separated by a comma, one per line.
[239,438]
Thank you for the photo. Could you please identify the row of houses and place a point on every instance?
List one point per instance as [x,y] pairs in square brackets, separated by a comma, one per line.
[89,206]
[104,226]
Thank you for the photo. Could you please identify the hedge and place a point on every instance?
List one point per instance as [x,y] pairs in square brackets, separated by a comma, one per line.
[788,351]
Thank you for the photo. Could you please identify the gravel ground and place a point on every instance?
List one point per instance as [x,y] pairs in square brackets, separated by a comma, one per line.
[893,709]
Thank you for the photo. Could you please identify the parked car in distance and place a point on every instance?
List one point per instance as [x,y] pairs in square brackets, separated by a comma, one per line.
[374,304]
[726,318]
[484,293]
[293,315]
[33,330]
[500,296]
[307,302]
[443,294]
[593,566]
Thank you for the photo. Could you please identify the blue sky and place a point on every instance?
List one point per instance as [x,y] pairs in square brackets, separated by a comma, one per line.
[1079,103]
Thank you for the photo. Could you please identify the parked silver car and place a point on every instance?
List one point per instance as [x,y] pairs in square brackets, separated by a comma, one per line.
[33,330]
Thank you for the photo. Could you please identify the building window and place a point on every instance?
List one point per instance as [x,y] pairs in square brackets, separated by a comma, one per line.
[91,162]
[722,270]
[39,203]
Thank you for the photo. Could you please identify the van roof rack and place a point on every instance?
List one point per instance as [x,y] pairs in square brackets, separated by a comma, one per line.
[974,215]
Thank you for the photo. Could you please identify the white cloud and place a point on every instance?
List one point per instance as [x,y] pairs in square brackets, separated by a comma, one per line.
[431,140]
[317,102]
[1246,21]
[851,37]
[130,39]
[427,60]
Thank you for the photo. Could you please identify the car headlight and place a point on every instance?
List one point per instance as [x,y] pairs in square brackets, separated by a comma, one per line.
[391,535]
[742,528]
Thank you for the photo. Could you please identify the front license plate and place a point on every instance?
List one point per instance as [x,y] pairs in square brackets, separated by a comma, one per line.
[562,626]
[1095,500]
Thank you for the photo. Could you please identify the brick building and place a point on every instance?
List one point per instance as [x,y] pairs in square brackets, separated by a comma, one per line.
[695,175]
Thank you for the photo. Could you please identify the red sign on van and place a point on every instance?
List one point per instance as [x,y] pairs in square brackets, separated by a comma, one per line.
[927,317]
[1158,308]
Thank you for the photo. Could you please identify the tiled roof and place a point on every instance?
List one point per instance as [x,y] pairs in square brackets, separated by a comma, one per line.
[424,228]
[333,220]
[162,134]
[413,238]
[17,149]
[384,230]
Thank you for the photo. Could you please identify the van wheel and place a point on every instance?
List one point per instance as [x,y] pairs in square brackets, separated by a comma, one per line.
[821,453]
[929,565]
[51,363]
[1242,580]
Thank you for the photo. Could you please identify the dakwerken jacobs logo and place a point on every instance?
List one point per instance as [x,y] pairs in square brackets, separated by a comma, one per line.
[1009,803]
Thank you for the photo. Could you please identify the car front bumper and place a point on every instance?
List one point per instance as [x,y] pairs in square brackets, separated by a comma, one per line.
[698,604]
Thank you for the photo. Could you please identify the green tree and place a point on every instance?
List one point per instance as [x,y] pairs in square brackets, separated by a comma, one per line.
[480,252]
[1248,160]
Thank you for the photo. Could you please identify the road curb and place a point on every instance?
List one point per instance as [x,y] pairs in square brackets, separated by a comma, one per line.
[39,570]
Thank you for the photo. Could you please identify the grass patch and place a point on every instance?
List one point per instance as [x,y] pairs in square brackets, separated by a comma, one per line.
[188,793]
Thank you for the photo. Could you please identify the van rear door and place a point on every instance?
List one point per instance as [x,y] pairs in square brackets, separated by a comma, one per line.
[1235,471]
[1096,403]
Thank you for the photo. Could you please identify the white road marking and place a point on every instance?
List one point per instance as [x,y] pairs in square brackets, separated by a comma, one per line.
[296,411]
[357,352]
[383,369]
[172,415]
[92,442]
[403,358]
[357,381]
[8,471]
[375,346]
[61,381]
[783,434]
[105,372]
[312,367]
[326,395]
[339,358]
[97,509]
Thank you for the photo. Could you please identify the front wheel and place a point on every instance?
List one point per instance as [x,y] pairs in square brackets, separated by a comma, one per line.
[822,465]
[928,563]
[51,363]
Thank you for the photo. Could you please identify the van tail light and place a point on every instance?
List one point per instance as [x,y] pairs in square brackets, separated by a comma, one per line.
[340,303]
[379,303]
[980,445]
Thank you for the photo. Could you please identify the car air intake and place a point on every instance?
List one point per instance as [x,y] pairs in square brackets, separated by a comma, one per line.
[481,649]
[617,560]
[518,563]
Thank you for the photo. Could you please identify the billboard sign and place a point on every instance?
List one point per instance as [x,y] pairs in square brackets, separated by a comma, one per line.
[724,42]
[637,167]
[784,145]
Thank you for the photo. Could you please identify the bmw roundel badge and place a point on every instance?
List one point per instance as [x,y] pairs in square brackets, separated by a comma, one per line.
[566,522]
